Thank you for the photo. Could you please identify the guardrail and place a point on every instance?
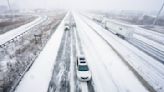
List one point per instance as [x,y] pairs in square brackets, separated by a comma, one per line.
[18,36]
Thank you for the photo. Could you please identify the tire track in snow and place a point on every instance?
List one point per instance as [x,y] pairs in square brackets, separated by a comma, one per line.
[150,50]
[60,78]
[89,84]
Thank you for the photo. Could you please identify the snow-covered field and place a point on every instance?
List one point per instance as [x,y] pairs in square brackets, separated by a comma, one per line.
[8,22]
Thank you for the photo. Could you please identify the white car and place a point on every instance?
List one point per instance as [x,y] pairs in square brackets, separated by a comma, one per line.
[83,73]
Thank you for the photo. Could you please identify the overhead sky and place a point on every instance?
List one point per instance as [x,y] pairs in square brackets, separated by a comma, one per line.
[146,5]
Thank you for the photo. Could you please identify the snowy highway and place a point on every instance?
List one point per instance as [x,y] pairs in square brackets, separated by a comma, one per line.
[105,64]
[64,77]
[143,65]
[116,65]
[146,40]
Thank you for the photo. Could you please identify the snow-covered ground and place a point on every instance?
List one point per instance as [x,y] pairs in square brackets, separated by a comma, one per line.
[39,75]
[18,31]
[148,68]
[109,73]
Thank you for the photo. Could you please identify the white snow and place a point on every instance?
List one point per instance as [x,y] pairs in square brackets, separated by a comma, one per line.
[39,75]
[150,42]
[150,69]
[149,33]
[84,86]
[72,82]
[109,73]
[15,32]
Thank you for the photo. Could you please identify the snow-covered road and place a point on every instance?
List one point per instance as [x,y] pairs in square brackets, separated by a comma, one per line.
[64,78]
[22,29]
[153,49]
[109,73]
[145,67]
[85,86]
[60,78]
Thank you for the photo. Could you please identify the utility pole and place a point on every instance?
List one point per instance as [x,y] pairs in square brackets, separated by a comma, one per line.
[155,20]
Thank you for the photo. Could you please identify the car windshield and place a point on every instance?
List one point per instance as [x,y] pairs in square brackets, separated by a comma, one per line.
[83,68]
